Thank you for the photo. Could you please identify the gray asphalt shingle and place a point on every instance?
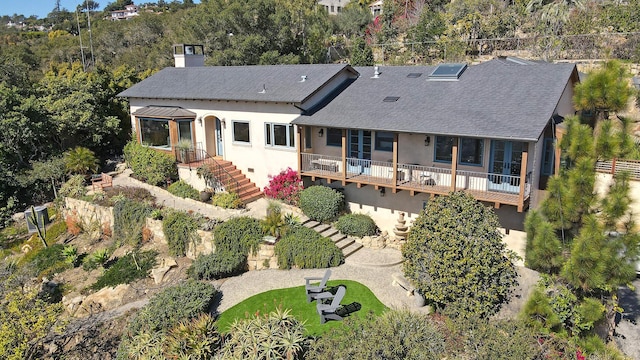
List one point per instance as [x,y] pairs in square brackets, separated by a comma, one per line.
[496,99]
[282,83]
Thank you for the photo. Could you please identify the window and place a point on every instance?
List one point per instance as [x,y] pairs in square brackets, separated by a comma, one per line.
[307,137]
[443,148]
[548,157]
[155,132]
[334,137]
[184,131]
[471,151]
[241,131]
[384,141]
[279,135]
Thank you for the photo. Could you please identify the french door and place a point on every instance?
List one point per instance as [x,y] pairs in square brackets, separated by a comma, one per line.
[359,151]
[219,147]
[505,166]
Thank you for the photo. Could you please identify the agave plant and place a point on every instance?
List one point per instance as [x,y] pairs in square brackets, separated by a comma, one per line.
[193,339]
[70,254]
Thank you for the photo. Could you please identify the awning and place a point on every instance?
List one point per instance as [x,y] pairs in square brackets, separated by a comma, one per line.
[165,112]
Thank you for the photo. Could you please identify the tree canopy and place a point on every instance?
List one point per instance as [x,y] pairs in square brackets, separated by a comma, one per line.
[455,257]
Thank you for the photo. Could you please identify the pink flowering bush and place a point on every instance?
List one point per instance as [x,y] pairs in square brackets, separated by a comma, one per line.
[285,186]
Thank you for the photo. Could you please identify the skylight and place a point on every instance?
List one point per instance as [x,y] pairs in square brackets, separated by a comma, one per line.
[447,72]
[391,98]
[414,75]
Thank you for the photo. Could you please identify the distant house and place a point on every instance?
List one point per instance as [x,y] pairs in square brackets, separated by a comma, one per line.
[333,7]
[376,8]
[129,12]
[389,137]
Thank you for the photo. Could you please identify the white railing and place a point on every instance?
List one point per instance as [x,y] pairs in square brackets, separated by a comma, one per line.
[413,176]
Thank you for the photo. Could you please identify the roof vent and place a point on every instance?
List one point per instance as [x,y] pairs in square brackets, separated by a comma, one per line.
[264,89]
[376,73]
[447,72]
[414,75]
[391,99]
[303,78]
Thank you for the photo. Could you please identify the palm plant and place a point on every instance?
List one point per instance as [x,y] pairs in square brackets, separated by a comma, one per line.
[80,160]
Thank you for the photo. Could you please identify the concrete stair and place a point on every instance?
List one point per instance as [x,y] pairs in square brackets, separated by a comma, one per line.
[347,244]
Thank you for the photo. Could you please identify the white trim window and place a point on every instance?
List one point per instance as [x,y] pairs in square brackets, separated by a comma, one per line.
[241,132]
[281,135]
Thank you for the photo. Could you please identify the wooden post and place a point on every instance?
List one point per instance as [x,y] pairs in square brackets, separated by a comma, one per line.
[523,181]
[299,149]
[395,160]
[344,157]
[454,163]
[613,166]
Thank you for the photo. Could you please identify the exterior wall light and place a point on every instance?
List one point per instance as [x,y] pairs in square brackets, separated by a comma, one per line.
[427,140]
[321,132]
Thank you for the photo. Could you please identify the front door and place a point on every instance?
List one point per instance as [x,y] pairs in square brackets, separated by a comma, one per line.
[505,166]
[219,147]
[359,146]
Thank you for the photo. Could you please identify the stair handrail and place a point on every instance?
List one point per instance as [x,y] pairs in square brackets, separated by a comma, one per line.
[204,158]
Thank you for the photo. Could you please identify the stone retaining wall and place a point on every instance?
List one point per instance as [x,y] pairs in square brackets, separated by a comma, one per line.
[89,213]
[265,256]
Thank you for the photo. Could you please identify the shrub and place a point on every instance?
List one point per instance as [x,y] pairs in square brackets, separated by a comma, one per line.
[80,160]
[499,340]
[129,192]
[48,261]
[285,186]
[306,249]
[321,203]
[217,265]
[396,334]
[127,269]
[238,235]
[227,200]
[129,218]
[171,306]
[180,229]
[194,339]
[95,259]
[277,335]
[356,225]
[474,273]
[73,223]
[153,167]
[74,187]
[183,190]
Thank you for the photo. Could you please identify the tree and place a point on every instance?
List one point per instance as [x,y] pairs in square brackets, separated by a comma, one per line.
[455,257]
[599,246]
[604,90]
[360,53]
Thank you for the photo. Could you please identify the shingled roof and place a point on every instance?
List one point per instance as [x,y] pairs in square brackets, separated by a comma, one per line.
[273,83]
[498,99]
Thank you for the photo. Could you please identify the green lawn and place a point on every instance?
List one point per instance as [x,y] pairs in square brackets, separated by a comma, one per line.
[296,300]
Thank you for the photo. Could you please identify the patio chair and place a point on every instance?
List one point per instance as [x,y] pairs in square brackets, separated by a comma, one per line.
[313,288]
[328,311]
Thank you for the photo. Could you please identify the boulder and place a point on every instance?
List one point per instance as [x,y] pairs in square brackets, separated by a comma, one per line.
[105,299]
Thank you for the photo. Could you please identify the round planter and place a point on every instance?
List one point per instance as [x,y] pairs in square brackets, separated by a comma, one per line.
[205,196]
[419,299]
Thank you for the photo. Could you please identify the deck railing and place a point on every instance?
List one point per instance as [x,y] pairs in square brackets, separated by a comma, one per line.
[219,176]
[617,166]
[412,176]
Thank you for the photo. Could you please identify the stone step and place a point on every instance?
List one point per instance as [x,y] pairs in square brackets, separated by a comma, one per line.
[311,224]
[345,242]
[337,237]
[329,232]
[349,250]
[322,227]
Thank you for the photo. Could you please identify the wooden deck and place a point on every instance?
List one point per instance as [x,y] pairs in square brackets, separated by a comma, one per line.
[413,186]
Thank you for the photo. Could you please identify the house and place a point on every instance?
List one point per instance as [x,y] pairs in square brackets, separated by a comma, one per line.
[130,11]
[238,115]
[389,137]
[333,7]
